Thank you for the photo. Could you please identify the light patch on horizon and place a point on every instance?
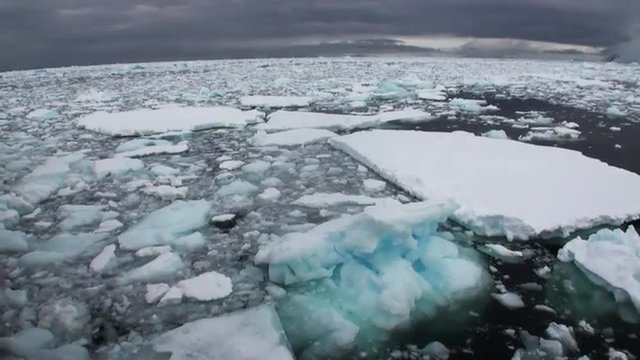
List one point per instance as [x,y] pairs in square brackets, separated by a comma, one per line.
[445,43]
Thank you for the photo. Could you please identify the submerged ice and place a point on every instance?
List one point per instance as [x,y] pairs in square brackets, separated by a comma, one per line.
[375,271]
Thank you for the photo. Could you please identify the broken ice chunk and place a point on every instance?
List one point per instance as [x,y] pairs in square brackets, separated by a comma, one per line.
[256,335]
[116,166]
[373,185]
[293,137]
[509,300]
[60,248]
[101,261]
[208,286]
[167,224]
[154,292]
[164,266]
[13,241]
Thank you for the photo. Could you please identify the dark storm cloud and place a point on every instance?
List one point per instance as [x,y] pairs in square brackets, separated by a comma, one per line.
[61,32]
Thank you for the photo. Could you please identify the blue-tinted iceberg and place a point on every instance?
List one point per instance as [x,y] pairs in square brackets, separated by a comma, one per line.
[375,272]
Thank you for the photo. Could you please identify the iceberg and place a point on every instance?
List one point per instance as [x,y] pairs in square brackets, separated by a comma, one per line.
[286,120]
[147,121]
[610,259]
[252,334]
[378,269]
[503,187]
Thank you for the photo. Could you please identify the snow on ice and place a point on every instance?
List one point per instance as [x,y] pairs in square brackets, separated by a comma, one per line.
[503,187]
[148,121]
[285,120]
[256,334]
[293,137]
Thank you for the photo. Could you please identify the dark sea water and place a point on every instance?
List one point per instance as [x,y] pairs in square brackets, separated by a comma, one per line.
[486,334]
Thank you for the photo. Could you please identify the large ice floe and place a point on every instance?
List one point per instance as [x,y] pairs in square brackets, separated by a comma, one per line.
[484,176]
[275,101]
[245,335]
[284,120]
[148,121]
[374,272]
[610,259]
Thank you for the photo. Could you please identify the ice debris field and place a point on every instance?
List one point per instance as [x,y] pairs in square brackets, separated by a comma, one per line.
[321,209]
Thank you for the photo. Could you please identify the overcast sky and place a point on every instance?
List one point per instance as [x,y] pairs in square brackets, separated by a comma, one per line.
[38,33]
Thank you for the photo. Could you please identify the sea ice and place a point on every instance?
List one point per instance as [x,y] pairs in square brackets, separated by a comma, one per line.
[47,178]
[470,105]
[269,194]
[154,292]
[231,165]
[13,241]
[275,101]
[293,137]
[238,187]
[500,252]
[496,134]
[116,166]
[256,167]
[509,300]
[557,133]
[256,335]
[486,178]
[323,200]
[285,120]
[155,150]
[101,261]
[208,286]
[60,248]
[147,121]
[43,114]
[167,192]
[373,185]
[380,266]
[610,259]
[164,266]
[166,225]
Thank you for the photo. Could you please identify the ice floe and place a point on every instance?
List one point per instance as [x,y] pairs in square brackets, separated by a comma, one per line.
[275,101]
[503,187]
[293,137]
[149,121]
[609,258]
[257,334]
[285,120]
[323,200]
[166,225]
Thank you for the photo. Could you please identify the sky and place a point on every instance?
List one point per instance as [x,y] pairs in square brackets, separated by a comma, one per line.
[44,33]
